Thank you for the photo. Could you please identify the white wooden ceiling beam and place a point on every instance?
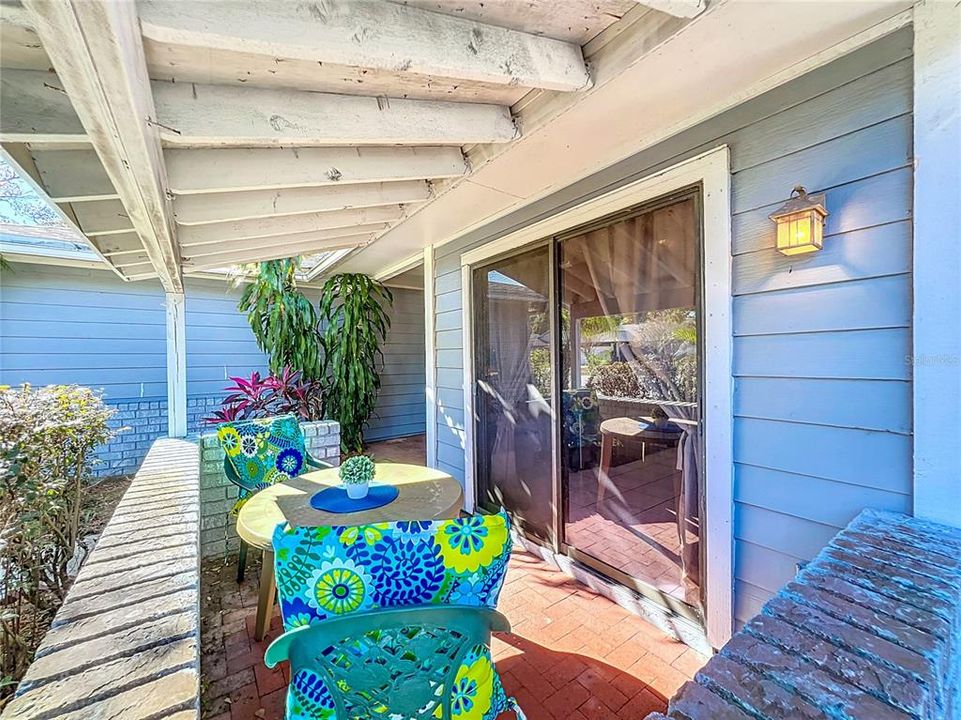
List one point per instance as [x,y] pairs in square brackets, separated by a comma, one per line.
[677,8]
[274,252]
[362,34]
[233,169]
[36,109]
[97,51]
[219,233]
[221,116]
[229,207]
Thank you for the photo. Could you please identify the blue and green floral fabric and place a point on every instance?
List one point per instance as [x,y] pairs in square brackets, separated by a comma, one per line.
[582,418]
[328,571]
[263,452]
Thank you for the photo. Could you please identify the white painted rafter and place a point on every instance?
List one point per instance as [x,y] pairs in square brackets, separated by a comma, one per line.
[249,245]
[219,233]
[381,36]
[275,252]
[234,169]
[677,8]
[97,51]
[219,116]
[235,206]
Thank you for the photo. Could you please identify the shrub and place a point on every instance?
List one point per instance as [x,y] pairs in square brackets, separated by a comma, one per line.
[253,397]
[616,379]
[47,440]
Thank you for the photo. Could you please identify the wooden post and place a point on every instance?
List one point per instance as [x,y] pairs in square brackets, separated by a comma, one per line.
[176,366]
[431,357]
[936,356]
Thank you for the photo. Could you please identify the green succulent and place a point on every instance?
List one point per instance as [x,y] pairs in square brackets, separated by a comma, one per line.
[357,470]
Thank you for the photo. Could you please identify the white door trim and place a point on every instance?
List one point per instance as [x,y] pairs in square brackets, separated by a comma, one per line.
[936,352]
[711,171]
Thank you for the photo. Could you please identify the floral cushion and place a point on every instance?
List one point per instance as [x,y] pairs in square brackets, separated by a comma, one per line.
[327,571]
[264,451]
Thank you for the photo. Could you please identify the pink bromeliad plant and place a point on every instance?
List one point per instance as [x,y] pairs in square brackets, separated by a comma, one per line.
[256,397]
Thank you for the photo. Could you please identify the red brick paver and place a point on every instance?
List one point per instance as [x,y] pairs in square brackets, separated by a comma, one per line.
[572,654]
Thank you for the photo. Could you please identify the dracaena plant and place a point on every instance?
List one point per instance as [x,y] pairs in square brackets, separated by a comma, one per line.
[354,313]
[283,320]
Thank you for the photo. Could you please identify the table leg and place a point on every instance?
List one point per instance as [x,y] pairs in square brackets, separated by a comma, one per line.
[603,479]
[265,601]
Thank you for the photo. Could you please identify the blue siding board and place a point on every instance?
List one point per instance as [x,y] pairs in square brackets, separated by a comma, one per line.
[822,386]
[868,404]
[824,501]
[873,303]
[852,354]
[859,457]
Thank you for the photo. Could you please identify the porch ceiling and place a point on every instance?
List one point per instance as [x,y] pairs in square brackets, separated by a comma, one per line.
[183,137]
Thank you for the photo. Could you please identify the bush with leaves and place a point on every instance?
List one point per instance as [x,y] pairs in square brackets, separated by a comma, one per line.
[283,320]
[353,310]
[616,379]
[48,437]
[286,393]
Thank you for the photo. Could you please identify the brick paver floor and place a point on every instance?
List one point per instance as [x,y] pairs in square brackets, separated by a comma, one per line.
[572,655]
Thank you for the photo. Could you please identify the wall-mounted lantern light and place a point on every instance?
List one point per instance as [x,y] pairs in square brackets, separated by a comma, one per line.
[800,223]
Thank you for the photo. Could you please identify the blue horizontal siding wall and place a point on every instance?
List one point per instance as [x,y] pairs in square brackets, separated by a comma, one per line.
[822,387]
[70,325]
[400,406]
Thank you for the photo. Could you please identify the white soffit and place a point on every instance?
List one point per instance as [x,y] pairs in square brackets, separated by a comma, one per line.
[745,52]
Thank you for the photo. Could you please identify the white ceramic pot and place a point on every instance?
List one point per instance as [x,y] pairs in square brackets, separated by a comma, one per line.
[357,491]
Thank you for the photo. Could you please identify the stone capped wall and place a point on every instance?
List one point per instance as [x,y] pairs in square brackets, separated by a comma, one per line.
[869,630]
[126,642]
[218,495]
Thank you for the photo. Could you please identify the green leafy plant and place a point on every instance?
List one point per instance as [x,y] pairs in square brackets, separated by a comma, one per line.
[47,440]
[357,470]
[283,320]
[354,312]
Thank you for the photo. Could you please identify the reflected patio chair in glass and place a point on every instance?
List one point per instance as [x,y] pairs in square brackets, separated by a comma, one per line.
[429,661]
[259,453]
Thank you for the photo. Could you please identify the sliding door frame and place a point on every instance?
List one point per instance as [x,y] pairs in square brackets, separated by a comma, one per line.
[710,170]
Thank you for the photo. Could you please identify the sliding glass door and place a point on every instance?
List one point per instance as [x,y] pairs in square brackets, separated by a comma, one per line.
[630,373]
[601,324]
[512,393]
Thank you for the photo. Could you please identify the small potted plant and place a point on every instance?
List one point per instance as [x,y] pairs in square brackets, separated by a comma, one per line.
[356,474]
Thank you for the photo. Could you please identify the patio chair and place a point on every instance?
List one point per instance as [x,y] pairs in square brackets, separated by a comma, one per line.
[420,600]
[261,452]
[582,421]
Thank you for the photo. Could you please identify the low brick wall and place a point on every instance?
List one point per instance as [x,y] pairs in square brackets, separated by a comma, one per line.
[218,495]
[869,630]
[125,644]
[145,420]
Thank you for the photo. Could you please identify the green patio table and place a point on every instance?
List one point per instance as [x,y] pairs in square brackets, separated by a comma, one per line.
[424,494]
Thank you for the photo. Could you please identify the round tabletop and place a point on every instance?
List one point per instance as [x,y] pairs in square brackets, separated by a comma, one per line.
[424,494]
